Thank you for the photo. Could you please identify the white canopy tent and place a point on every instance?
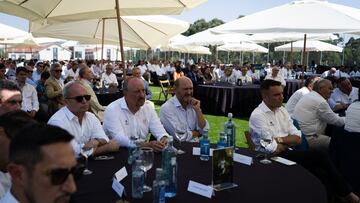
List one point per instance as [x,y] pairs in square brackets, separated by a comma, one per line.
[311,45]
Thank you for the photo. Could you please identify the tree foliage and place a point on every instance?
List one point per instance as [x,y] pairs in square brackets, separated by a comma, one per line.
[201,25]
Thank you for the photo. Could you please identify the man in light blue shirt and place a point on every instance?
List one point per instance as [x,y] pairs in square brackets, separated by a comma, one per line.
[183,109]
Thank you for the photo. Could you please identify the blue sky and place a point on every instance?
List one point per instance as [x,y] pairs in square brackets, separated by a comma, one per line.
[225,10]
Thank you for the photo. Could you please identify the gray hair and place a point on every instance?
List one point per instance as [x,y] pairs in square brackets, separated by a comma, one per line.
[320,84]
[54,65]
[67,87]
[82,71]
[126,82]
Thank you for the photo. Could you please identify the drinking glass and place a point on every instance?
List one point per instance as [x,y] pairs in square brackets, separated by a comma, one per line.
[86,152]
[265,141]
[180,134]
[147,157]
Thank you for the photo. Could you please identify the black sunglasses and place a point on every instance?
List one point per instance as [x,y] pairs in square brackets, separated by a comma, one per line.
[58,176]
[81,98]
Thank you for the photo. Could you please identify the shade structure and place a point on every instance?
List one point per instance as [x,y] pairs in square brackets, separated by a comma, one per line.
[173,46]
[307,16]
[206,38]
[138,31]
[288,37]
[9,33]
[311,45]
[51,11]
[243,47]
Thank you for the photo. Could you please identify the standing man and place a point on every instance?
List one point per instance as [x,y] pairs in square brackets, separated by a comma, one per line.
[30,102]
[130,116]
[10,96]
[42,166]
[84,125]
[183,108]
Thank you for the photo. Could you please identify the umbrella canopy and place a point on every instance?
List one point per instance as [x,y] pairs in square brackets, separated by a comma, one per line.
[307,16]
[9,33]
[69,10]
[173,46]
[206,38]
[243,47]
[138,31]
[288,37]
[311,45]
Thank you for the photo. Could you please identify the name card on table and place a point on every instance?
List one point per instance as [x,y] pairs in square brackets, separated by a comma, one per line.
[118,187]
[243,159]
[121,174]
[200,189]
[283,160]
[196,151]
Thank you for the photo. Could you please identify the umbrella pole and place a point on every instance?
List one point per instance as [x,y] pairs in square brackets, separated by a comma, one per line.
[102,42]
[320,57]
[253,58]
[283,61]
[120,37]
[291,54]
[268,55]
[303,59]
[228,58]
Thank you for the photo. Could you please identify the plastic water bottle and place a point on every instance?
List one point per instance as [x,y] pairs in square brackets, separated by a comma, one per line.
[137,181]
[167,154]
[204,147]
[222,143]
[245,81]
[133,150]
[171,187]
[230,131]
[159,187]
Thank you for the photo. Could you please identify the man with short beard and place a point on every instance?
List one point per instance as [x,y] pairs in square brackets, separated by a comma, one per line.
[42,166]
[183,108]
[130,116]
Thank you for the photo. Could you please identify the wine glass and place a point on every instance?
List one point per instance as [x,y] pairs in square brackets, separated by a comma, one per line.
[86,151]
[180,134]
[147,158]
[265,141]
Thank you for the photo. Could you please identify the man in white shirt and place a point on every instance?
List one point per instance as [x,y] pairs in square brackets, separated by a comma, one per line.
[136,72]
[295,98]
[10,123]
[341,73]
[329,73]
[286,72]
[268,69]
[84,125]
[314,113]
[108,78]
[130,116]
[245,79]
[352,120]
[355,72]
[271,121]
[30,102]
[36,75]
[344,95]
[229,76]
[183,109]
[42,165]
[275,75]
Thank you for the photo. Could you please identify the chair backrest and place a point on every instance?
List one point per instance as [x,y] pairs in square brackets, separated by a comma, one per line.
[249,141]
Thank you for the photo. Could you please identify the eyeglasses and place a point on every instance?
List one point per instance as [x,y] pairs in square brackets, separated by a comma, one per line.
[58,176]
[81,98]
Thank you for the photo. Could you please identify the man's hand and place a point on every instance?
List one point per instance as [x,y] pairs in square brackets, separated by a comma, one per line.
[164,140]
[280,148]
[195,104]
[155,145]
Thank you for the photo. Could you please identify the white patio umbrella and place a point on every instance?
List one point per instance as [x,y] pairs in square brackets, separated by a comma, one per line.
[243,47]
[311,45]
[138,31]
[288,37]
[9,33]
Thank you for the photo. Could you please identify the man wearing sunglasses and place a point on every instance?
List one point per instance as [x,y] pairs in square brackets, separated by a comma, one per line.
[130,116]
[10,96]
[53,89]
[42,166]
[75,118]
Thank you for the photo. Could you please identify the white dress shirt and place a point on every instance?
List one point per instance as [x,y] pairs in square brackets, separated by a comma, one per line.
[120,123]
[339,97]
[230,79]
[287,73]
[29,98]
[109,78]
[243,78]
[90,127]
[143,68]
[172,113]
[278,123]
[340,74]
[277,78]
[70,73]
[355,74]
[5,183]
[313,113]
[9,198]
[352,120]
[294,99]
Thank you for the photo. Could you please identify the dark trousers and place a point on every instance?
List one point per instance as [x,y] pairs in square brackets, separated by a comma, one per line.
[319,164]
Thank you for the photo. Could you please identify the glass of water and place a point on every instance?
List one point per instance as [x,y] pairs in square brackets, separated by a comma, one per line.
[147,158]
[265,141]
[180,134]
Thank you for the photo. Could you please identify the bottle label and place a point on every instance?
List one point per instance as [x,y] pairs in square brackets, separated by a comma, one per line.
[205,149]
[162,194]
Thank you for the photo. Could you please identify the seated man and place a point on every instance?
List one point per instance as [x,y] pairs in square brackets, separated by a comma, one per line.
[84,125]
[85,77]
[108,78]
[329,73]
[10,123]
[286,72]
[183,108]
[352,120]
[245,79]
[344,95]
[314,113]
[10,96]
[229,76]
[275,75]
[30,102]
[130,116]
[194,76]
[42,165]
[294,99]
[270,117]
[136,72]
[53,89]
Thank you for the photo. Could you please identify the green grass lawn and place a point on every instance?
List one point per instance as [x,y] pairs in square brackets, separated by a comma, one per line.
[216,122]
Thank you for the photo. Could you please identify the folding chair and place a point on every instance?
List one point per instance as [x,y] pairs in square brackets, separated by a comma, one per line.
[166,88]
